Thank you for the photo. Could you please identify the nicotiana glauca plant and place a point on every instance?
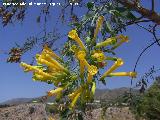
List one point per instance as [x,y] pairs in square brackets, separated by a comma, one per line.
[77,83]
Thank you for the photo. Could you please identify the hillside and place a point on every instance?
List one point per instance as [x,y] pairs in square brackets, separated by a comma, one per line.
[17,101]
[24,112]
[103,94]
[24,109]
[111,94]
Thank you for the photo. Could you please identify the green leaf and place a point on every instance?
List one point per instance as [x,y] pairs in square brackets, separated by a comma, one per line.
[108,27]
[90,5]
[65,114]
[131,16]
[80,116]
[103,81]
[121,9]
[87,17]
[115,12]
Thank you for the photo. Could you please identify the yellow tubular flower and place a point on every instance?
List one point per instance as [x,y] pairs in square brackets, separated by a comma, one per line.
[56,82]
[111,58]
[27,69]
[81,55]
[50,52]
[89,78]
[53,70]
[52,63]
[72,95]
[74,48]
[108,41]
[82,67]
[92,70]
[54,92]
[123,39]
[40,77]
[59,95]
[117,64]
[93,87]
[98,26]
[36,70]
[55,62]
[99,56]
[50,69]
[130,74]
[86,63]
[73,35]
[49,64]
[26,66]
[86,95]
[75,100]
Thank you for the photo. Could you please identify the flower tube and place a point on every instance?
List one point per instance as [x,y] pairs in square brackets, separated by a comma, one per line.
[81,57]
[39,77]
[42,59]
[111,58]
[75,100]
[86,63]
[123,39]
[51,62]
[82,67]
[92,70]
[72,95]
[98,26]
[89,78]
[54,92]
[55,62]
[117,64]
[108,41]
[99,55]
[74,48]
[50,52]
[36,70]
[73,35]
[130,74]
[93,87]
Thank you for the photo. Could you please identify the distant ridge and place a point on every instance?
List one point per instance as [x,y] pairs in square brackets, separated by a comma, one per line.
[17,101]
[103,94]
[111,94]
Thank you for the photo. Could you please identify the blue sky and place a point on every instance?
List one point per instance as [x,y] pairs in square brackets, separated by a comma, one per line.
[14,83]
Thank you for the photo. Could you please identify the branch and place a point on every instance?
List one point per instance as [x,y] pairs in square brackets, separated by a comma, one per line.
[140,55]
[152,15]
[153,5]
[144,50]
[154,34]
[131,23]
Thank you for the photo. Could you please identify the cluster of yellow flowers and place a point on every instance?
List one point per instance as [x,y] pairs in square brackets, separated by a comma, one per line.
[48,68]
[52,67]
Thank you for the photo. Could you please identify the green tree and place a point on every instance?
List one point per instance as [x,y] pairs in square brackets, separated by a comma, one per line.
[148,105]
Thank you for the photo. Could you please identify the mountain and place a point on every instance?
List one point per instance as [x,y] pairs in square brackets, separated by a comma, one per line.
[17,101]
[103,94]
[111,94]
